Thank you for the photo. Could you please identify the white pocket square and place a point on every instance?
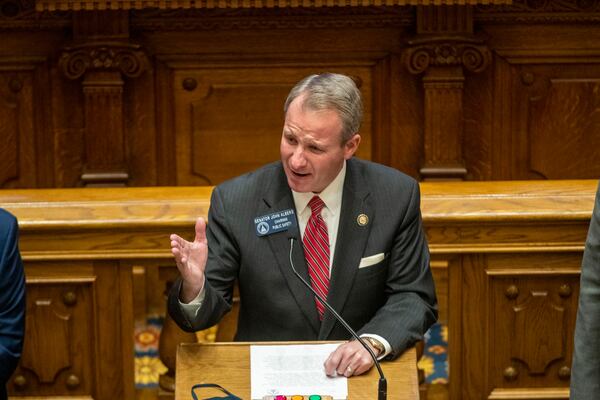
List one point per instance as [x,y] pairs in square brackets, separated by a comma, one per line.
[371,260]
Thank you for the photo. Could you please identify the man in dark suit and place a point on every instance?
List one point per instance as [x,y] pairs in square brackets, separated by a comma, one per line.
[12,299]
[356,231]
[585,379]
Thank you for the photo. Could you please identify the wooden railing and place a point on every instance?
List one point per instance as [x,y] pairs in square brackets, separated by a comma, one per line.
[505,255]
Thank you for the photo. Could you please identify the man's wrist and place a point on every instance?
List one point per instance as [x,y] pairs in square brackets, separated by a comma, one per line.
[188,293]
[375,344]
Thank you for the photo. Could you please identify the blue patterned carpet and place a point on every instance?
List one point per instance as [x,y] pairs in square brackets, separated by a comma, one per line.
[435,355]
[148,366]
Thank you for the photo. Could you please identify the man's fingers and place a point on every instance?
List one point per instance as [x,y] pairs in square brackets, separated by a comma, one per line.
[337,361]
[200,230]
[362,369]
[179,258]
[348,359]
[332,363]
[347,365]
[176,238]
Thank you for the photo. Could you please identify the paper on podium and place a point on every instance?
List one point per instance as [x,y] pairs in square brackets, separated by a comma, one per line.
[294,369]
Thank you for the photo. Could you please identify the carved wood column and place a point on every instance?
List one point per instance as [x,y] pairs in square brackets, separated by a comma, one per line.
[103,56]
[442,50]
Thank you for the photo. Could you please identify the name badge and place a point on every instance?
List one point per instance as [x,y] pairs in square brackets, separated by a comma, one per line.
[276,222]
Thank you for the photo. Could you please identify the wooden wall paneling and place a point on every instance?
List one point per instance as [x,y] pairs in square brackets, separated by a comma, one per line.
[443,128]
[31,43]
[443,47]
[166,158]
[67,130]
[474,345]
[230,124]
[114,327]
[406,140]
[21,163]
[439,270]
[537,294]
[60,331]
[478,147]
[125,341]
[456,331]
[9,129]
[557,102]
[545,97]
[229,120]
[43,126]
[102,56]
[79,334]
[522,236]
[105,162]
[383,109]
[544,52]
[140,118]
[270,46]
[574,98]
[95,237]
[503,113]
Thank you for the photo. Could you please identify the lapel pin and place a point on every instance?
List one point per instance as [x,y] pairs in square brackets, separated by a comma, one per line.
[362,219]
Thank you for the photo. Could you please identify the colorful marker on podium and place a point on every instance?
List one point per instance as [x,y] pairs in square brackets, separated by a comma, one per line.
[298,397]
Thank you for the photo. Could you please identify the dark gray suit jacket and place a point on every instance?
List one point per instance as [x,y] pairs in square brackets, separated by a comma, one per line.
[394,298]
[585,377]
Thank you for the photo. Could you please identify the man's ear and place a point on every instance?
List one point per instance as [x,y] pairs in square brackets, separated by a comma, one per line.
[351,146]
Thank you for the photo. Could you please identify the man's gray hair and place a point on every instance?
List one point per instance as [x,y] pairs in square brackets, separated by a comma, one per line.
[330,91]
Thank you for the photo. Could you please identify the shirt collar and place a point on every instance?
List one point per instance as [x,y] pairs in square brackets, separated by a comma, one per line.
[331,195]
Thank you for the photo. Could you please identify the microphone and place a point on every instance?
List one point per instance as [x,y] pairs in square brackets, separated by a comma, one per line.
[382,388]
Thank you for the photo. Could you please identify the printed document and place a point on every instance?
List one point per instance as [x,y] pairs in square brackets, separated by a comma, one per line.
[294,370]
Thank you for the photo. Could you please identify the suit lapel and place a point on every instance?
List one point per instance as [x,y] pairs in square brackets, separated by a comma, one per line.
[350,244]
[280,198]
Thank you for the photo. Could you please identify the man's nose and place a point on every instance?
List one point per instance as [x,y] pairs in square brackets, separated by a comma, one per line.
[298,160]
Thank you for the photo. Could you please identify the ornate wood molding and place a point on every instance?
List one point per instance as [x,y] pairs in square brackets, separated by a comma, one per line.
[88,5]
[22,15]
[444,48]
[103,56]
[470,54]
[540,11]
[442,62]
[126,58]
[260,19]
[103,66]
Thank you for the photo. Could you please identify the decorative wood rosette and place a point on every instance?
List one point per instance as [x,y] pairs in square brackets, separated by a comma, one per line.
[128,59]
[468,53]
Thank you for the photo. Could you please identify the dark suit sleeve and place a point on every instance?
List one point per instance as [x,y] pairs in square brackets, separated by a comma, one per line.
[12,297]
[585,380]
[221,271]
[411,306]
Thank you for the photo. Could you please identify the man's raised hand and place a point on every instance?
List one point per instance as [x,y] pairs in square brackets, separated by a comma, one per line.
[191,261]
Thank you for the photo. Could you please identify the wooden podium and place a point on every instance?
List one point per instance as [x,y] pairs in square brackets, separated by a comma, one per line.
[228,364]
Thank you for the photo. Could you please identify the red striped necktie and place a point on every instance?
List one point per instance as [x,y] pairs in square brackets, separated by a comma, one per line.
[316,251]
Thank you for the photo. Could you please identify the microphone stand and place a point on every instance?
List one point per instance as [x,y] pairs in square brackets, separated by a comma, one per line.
[382,387]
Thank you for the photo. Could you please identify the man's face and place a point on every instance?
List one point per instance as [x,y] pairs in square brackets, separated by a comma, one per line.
[311,148]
